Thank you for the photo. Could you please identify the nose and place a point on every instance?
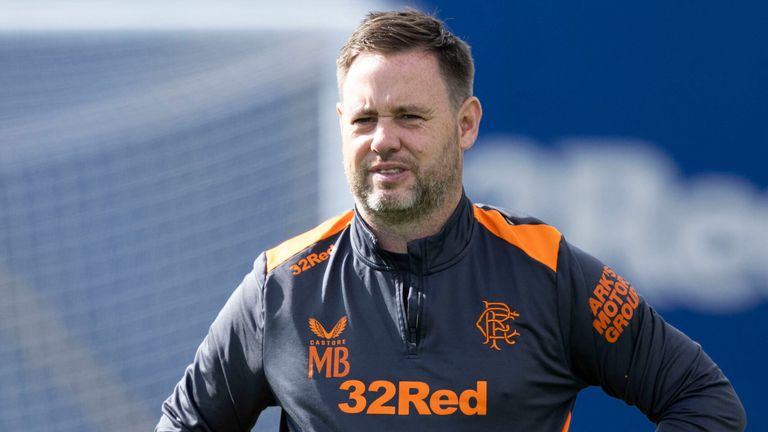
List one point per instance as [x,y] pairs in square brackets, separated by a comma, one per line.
[385,138]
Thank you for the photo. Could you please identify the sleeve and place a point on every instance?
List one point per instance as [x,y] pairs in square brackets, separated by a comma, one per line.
[225,388]
[617,341]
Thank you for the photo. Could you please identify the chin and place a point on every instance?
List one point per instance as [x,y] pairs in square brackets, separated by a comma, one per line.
[390,201]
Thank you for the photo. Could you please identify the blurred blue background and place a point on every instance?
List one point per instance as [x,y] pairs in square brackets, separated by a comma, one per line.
[641,131]
[148,153]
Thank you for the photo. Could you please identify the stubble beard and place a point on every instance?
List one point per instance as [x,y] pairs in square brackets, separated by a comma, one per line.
[399,208]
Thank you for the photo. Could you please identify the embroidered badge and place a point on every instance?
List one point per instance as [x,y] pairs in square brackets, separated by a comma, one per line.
[492,324]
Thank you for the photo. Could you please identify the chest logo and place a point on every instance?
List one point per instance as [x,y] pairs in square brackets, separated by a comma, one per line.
[493,324]
[320,331]
[328,355]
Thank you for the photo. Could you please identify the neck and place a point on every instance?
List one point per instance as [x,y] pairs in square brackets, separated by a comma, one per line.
[394,237]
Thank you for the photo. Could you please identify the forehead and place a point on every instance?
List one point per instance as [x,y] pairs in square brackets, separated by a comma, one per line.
[403,78]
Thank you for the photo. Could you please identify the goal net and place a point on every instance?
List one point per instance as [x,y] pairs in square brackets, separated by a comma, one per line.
[141,172]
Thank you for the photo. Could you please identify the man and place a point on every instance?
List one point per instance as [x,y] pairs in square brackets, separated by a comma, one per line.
[422,311]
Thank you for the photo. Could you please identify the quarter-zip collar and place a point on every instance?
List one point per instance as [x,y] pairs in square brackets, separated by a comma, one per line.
[427,255]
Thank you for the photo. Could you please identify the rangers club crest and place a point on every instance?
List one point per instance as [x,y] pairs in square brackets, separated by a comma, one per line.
[493,324]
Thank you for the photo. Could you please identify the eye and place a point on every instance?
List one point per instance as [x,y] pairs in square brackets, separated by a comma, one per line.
[362,121]
[410,117]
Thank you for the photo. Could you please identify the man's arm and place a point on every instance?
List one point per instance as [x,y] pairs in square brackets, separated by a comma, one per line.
[225,387]
[617,341]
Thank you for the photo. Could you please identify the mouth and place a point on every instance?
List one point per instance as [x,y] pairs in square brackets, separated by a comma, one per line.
[389,172]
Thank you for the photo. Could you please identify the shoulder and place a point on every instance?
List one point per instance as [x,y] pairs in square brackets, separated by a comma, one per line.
[288,249]
[537,239]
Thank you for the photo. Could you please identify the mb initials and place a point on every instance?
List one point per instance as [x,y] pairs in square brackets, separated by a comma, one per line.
[333,360]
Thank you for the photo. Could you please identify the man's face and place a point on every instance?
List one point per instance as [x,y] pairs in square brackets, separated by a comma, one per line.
[402,155]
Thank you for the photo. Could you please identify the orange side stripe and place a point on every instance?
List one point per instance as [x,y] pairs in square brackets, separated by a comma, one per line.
[540,242]
[567,424]
[285,250]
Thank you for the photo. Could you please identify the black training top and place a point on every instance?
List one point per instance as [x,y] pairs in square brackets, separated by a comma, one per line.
[506,322]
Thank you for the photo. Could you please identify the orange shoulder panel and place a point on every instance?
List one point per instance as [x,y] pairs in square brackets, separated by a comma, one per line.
[285,250]
[567,424]
[540,242]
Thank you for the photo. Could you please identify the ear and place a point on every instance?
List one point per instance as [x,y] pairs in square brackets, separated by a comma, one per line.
[469,117]
[340,113]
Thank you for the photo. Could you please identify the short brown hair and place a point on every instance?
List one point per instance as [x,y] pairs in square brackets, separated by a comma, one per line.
[409,29]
